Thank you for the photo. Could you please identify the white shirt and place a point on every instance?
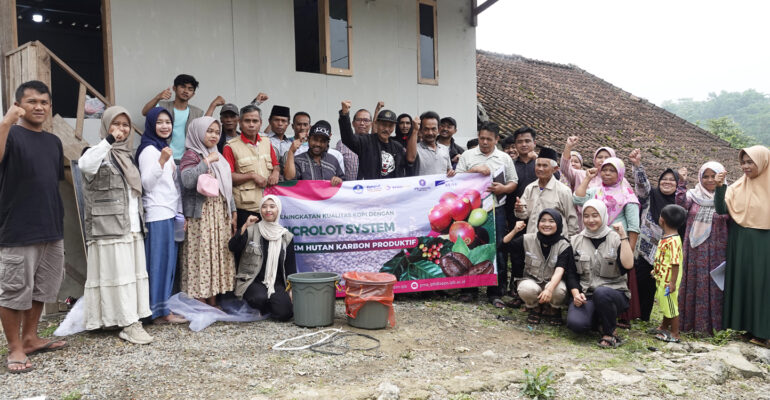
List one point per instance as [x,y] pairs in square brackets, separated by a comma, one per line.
[89,164]
[161,198]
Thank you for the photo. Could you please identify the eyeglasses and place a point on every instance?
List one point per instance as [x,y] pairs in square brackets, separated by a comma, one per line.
[362,120]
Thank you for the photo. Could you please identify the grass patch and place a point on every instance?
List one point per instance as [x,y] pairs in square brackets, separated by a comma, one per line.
[73,395]
[721,338]
[49,330]
[537,384]
[462,396]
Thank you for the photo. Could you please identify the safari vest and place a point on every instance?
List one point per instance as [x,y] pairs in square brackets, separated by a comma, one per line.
[106,203]
[248,159]
[599,267]
[251,259]
[536,266]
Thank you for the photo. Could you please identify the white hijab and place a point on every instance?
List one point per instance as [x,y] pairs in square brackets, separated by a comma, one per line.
[604,230]
[701,226]
[272,232]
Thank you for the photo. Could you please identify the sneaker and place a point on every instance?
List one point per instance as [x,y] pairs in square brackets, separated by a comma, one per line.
[134,333]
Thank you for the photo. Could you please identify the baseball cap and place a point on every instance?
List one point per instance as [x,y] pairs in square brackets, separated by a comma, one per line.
[448,120]
[387,116]
[321,128]
[229,107]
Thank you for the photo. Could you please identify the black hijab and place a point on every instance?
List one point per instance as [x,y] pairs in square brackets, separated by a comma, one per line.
[658,200]
[556,236]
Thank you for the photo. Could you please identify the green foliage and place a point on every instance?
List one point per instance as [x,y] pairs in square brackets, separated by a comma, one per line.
[73,395]
[537,385]
[730,132]
[49,330]
[721,338]
[409,264]
[485,252]
[749,109]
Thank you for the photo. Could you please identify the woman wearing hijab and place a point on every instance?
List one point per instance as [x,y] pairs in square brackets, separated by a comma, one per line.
[705,248]
[748,255]
[596,280]
[261,280]
[208,267]
[543,256]
[575,175]
[116,290]
[652,202]
[622,206]
[161,204]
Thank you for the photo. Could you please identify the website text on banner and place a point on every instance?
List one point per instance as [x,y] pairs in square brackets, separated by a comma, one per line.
[431,232]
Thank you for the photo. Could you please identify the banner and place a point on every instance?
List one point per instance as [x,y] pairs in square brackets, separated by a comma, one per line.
[431,232]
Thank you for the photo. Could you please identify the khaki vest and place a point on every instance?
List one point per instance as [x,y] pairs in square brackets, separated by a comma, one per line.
[599,266]
[251,259]
[536,266]
[248,159]
[106,204]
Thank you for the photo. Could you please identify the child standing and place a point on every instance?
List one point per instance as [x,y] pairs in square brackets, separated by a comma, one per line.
[667,271]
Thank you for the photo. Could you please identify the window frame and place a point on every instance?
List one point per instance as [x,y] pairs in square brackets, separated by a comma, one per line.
[325,40]
[420,79]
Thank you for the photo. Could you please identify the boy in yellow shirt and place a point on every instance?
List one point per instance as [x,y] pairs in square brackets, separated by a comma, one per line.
[667,271]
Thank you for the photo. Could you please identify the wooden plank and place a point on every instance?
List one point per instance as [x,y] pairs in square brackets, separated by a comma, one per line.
[42,72]
[75,75]
[81,112]
[8,41]
[109,70]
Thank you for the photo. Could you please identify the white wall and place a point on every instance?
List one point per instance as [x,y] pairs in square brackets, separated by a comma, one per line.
[237,48]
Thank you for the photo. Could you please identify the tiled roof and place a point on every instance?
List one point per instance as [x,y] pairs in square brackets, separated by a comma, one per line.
[564,100]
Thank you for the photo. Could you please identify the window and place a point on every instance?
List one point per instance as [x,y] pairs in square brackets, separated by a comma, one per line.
[427,49]
[322,36]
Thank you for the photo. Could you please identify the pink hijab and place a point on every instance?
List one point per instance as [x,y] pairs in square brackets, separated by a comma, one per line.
[597,181]
[616,196]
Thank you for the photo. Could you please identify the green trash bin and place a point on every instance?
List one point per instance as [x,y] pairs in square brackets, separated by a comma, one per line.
[369,299]
[313,297]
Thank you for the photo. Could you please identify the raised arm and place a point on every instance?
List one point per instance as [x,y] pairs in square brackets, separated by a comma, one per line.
[349,139]
[14,113]
[411,145]
[581,192]
[217,102]
[720,206]
[566,165]
[164,95]
[641,184]
[289,169]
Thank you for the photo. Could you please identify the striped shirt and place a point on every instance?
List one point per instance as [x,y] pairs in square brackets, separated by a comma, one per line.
[308,169]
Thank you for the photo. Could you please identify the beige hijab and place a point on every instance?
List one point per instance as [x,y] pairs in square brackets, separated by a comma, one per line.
[121,151]
[272,231]
[748,200]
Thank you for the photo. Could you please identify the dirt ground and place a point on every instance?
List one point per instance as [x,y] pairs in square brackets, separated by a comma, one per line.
[439,349]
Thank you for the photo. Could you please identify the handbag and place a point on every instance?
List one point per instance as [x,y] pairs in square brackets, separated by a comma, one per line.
[207,184]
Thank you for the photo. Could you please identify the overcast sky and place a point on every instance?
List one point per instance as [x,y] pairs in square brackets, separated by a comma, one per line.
[658,50]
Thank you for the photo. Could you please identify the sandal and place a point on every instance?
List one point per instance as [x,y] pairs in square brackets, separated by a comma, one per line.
[24,362]
[49,347]
[533,318]
[607,342]
[555,319]
[760,342]
[497,302]
[666,336]
[623,324]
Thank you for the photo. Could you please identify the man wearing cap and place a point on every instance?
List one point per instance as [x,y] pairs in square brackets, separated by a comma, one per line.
[316,163]
[253,164]
[362,125]
[301,127]
[432,157]
[228,118]
[446,131]
[546,192]
[378,156]
[279,121]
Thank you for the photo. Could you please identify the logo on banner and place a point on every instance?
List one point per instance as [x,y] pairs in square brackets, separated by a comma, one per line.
[422,182]
[358,189]
[414,285]
[440,182]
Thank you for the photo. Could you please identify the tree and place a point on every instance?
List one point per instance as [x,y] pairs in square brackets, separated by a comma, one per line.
[731,132]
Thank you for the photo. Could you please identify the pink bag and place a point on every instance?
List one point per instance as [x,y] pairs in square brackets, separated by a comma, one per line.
[208,185]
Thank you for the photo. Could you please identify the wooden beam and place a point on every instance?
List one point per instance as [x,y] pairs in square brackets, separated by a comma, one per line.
[478,9]
[8,41]
[81,112]
[109,70]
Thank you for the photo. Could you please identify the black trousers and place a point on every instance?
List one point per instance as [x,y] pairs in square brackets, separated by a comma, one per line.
[278,305]
[601,310]
[645,285]
[501,259]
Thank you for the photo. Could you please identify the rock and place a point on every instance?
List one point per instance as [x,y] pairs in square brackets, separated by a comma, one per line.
[419,394]
[387,391]
[698,347]
[675,347]
[756,354]
[488,354]
[641,369]
[462,349]
[617,378]
[736,361]
[575,377]
[717,371]
[675,388]
[668,377]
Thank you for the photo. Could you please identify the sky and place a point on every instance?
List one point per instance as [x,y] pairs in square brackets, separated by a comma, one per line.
[657,50]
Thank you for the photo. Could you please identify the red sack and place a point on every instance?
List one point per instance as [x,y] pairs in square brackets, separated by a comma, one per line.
[361,287]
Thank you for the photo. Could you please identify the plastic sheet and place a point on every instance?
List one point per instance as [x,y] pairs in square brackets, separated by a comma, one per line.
[75,321]
[361,287]
[202,315]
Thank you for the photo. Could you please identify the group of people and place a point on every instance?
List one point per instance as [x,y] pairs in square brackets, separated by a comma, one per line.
[186,211]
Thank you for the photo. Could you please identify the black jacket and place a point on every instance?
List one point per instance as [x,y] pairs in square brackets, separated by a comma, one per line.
[368,148]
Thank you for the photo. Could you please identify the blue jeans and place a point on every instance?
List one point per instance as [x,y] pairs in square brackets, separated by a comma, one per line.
[160,251]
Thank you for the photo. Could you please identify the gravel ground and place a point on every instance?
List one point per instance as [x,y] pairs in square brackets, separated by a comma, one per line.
[440,349]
